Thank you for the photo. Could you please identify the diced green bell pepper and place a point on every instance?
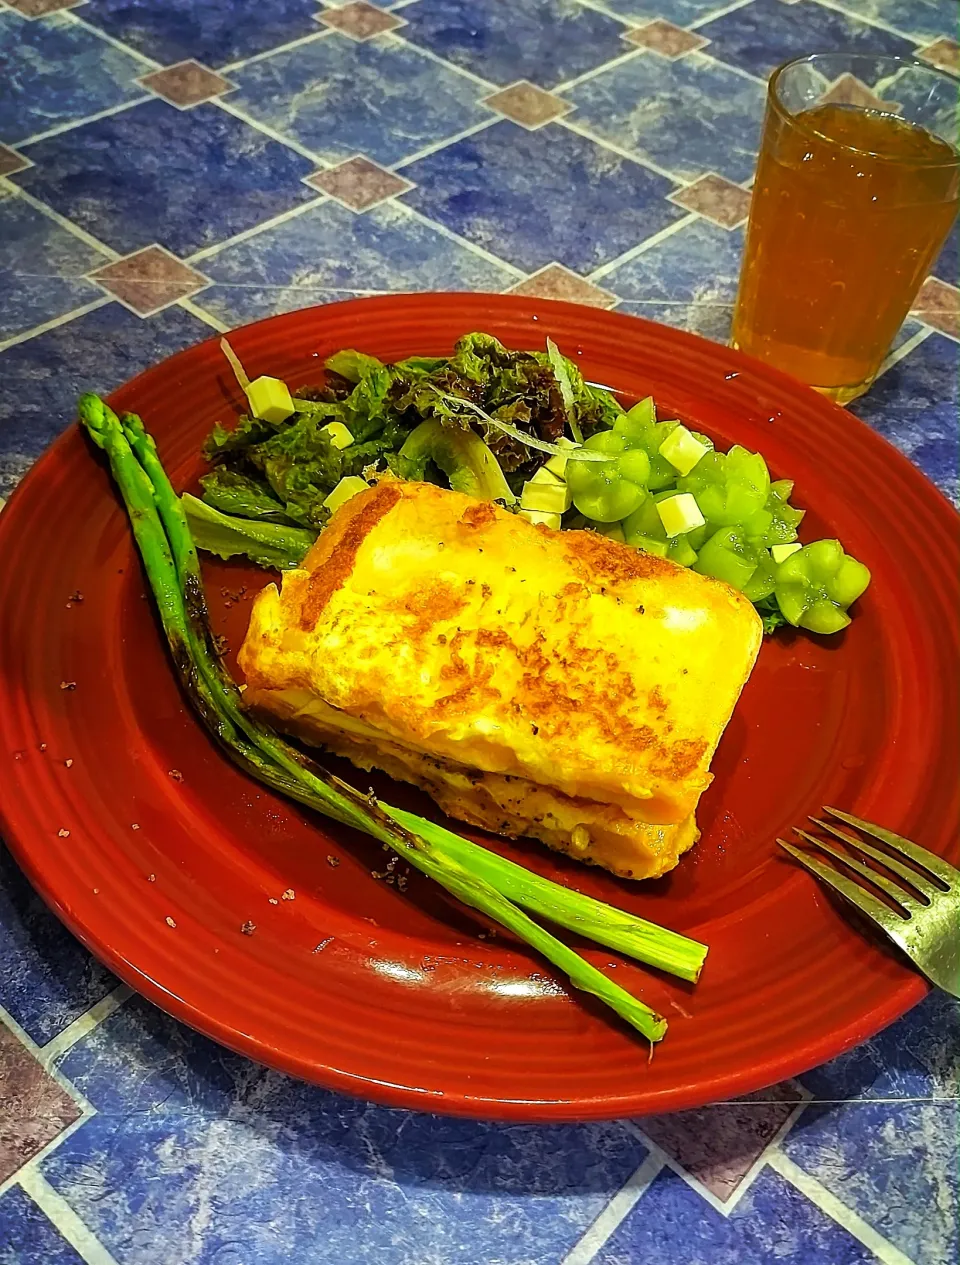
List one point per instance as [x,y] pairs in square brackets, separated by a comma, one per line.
[607,491]
[815,585]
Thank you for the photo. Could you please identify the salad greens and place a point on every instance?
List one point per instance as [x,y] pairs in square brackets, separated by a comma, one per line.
[523,428]
[481,879]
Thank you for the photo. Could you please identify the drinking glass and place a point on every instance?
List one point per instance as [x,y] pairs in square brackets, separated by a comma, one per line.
[857,186]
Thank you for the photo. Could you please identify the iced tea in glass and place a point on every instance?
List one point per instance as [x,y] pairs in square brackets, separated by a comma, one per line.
[856,189]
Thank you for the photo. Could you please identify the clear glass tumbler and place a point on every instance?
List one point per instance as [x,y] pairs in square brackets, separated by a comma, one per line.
[857,186]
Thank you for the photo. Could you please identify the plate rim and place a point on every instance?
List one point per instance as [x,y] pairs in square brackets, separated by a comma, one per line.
[829,1045]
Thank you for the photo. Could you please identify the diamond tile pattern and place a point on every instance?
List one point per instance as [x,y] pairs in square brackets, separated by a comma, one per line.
[764,33]
[337,98]
[544,41]
[595,151]
[715,199]
[359,20]
[130,179]
[535,198]
[938,304]
[557,282]
[149,280]
[53,72]
[35,1108]
[528,105]
[213,32]
[186,84]
[665,38]
[688,116]
[359,183]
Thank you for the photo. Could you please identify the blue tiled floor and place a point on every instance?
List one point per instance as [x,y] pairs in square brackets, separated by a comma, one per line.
[923,19]
[679,12]
[915,405]
[545,41]
[772,1223]
[286,1166]
[761,35]
[42,379]
[131,179]
[332,250]
[689,116]
[27,1237]
[947,267]
[41,267]
[535,197]
[214,32]
[381,98]
[688,279]
[53,72]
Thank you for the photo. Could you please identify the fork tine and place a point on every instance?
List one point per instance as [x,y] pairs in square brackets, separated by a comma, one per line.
[933,864]
[918,881]
[893,890]
[865,901]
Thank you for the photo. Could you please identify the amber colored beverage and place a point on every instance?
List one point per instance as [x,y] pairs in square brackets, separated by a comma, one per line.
[850,209]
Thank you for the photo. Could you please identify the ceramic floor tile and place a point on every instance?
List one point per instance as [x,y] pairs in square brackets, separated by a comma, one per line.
[920,19]
[761,35]
[541,197]
[54,71]
[338,98]
[773,1223]
[42,267]
[680,12]
[186,84]
[54,980]
[894,1165]
[359,20]
[283,1167]
[545,41]
[48,978]
[329,248]
[689,116]
[214,32]
[27,1236]
[914,405]
[132,179]
[688,279]
[34,1109]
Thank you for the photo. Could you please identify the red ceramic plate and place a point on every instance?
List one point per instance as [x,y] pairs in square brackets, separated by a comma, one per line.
[397,997]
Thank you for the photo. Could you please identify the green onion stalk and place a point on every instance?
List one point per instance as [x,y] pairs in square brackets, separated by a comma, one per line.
[481,879]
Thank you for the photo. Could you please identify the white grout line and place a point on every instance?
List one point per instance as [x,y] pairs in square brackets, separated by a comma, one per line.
[720,12]
[461,241]
[607,13]
[703,55]
[71,15]
[201,314]
[243,62]
[394,37]
[828,1202]
[642,247]
[55,323]
[74,229]
[632,51]
[597,1234]
[89,118]
[642,161]
[427,150]
[267,130]
[85,1024]
[291,213]
[918,42]
[904,349]
[80,1237]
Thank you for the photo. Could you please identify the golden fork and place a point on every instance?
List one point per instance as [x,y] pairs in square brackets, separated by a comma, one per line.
[926,921]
